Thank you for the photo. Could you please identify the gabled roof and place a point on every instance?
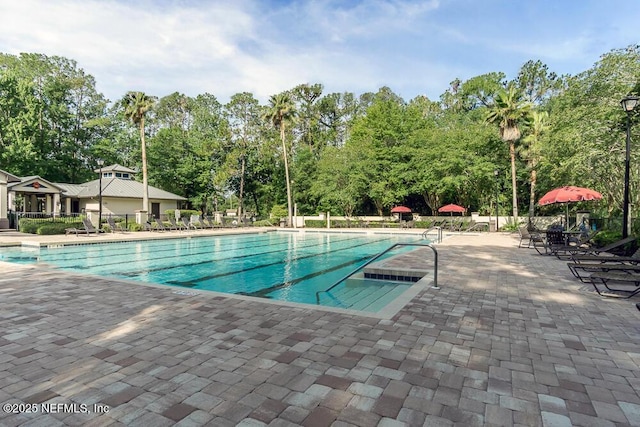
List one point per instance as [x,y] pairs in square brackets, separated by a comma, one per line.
[115,168]
[127,188]
[35,183]
[10,177]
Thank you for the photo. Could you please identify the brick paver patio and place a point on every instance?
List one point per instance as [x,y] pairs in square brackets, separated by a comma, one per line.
[511,338]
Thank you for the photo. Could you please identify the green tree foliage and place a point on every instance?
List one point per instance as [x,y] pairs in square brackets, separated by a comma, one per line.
[346,153]
[46,104]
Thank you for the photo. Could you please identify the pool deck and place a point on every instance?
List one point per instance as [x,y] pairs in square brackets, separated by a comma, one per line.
[510,338]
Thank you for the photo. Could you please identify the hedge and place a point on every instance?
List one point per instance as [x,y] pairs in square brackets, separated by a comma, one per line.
[48,228]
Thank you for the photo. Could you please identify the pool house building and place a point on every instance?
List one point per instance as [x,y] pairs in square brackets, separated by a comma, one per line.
[121,195]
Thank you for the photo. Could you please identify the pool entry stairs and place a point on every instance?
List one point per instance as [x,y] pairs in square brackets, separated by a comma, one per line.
[389,274]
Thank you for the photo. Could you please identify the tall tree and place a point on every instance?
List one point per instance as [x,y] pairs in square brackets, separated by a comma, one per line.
[280,112]
[510,111]
[136,106]
[531,153]
[243,115]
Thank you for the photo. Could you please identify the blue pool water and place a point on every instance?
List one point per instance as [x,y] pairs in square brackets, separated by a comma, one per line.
[278,265]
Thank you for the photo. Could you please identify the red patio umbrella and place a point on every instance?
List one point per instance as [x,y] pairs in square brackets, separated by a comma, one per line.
[452,208]
[569,193]
[401,209]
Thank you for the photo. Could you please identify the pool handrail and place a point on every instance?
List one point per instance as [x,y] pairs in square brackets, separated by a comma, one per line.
[438,229]
[395,245]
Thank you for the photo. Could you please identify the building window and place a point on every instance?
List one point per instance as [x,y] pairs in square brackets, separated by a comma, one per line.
[125,175]
[118,175]
[107,174]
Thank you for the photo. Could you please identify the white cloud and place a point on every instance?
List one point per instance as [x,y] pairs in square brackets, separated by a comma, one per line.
[266,46]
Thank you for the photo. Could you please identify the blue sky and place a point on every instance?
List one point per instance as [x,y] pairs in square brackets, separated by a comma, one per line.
[267,46]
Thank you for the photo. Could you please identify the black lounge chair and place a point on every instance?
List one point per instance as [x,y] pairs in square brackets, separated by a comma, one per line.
[188,224]
[159,225]
[114,226]
[602,262]
[87,229]
[175,225]
[609,279]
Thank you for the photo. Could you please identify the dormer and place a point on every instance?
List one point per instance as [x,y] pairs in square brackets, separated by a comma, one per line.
[116,171]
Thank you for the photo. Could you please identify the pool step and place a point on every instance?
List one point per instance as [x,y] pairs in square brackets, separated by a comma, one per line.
[396,268]
[360,293]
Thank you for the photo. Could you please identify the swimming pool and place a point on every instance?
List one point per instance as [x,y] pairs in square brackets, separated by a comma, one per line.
[286,266]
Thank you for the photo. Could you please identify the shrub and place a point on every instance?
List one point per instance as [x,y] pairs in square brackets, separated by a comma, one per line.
[263,223]
[315,223]
[28,225]
[184,213]
[134,226]
[48,228]
[279,211]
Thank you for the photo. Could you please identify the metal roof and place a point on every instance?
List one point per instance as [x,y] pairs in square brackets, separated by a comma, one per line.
[126,188]
[115,168]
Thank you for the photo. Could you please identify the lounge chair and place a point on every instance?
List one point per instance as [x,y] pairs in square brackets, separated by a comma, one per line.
[188,224]
[203,224]
[174,224]
[211,223]
[594,263]
[621,277]
[114,226]
[88,228]
[159,225]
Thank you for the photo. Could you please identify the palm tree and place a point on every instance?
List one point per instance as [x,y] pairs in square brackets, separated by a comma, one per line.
[136,105]
[509,110]
[531,152]
[281,110]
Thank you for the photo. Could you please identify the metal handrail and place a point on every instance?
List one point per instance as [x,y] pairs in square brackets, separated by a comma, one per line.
[438,234]
[435,268]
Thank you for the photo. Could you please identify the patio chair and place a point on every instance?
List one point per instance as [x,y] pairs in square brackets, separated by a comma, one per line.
[530,237]
[114,226]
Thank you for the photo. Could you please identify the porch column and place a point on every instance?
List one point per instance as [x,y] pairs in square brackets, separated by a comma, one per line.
[56,204]
[12,200]
[67,206]
[4,199]
[47,204]
[33,203]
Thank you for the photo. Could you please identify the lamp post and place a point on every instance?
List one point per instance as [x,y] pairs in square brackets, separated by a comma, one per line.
[100,163]
[628,103]
[496,172]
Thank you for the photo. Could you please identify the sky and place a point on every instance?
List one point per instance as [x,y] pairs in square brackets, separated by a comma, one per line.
[415,47]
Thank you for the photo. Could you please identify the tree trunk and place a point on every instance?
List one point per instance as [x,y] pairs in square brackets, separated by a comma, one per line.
[145,178]
[532,195]
[512,153]
[286,172]
[240,196]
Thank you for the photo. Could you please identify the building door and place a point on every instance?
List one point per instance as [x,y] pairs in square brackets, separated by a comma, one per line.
[155,210]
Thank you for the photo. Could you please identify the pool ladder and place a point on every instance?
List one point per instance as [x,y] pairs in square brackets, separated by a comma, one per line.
[390,248]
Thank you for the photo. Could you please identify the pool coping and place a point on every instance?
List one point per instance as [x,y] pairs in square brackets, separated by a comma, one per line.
[390,310]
